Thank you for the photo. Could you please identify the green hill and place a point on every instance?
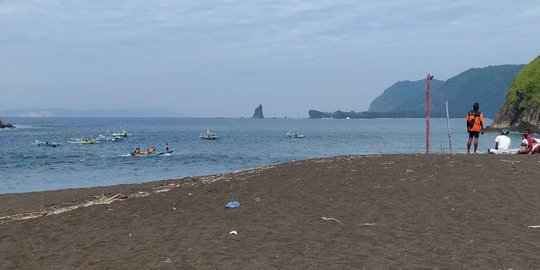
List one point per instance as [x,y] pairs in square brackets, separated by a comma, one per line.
[522,106]
[403,96]
[487,86]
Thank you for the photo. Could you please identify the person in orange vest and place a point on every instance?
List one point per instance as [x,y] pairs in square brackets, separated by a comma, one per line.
[475,126]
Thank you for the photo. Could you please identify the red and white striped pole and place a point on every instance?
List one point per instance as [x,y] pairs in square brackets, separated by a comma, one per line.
[428,110]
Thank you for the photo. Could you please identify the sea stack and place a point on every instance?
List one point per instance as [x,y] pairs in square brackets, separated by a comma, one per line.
[258,112]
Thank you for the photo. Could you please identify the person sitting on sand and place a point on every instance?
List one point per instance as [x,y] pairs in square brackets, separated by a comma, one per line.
[502,143]
[524,149]
[531,143]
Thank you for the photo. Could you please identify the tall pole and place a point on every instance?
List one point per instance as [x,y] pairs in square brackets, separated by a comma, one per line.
[428,110]
[448,127]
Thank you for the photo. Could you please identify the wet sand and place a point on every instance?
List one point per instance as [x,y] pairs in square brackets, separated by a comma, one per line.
[356,212]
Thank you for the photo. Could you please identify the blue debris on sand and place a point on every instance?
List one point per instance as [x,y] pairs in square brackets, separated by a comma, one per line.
[232,204]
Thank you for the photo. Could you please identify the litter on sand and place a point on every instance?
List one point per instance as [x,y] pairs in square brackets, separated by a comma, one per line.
[332,219]
[232,204]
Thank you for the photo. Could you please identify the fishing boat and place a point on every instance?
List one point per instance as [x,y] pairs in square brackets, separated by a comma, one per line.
[46,143]
[122,133]
[209,135]
[295,134]
[83,140]
[109,137]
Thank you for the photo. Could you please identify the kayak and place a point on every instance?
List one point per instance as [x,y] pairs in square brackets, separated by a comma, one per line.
[146,154]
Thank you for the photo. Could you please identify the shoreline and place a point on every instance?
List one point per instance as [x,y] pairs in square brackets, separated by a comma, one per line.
[375,211]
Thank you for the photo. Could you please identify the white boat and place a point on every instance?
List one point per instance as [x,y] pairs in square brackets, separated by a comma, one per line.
[109,137]
[295,134]
[46,143]
[209,135]
[122,133]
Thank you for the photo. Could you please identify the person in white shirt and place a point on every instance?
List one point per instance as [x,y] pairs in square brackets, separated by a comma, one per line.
[502,143]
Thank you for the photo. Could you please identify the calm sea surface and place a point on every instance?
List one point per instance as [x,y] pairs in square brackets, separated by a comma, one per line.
[242,144]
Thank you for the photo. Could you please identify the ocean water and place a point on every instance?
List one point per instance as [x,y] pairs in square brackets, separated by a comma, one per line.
[243,143]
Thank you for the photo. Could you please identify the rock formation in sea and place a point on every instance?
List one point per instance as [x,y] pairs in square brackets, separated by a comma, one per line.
[6,125]
[258,112]
[522,106]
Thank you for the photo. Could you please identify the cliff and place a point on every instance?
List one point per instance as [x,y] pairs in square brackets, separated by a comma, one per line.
[522,106]
[258,112]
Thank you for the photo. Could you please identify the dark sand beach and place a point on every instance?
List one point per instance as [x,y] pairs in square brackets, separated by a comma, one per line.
[357,212]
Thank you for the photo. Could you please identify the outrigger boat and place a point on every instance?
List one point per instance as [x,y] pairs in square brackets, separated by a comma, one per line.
[109,137]
[83,140]
[209,135]
[295,134]
[122,133]
[49,144]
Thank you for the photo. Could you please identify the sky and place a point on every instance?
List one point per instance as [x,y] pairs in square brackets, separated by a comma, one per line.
[204,58]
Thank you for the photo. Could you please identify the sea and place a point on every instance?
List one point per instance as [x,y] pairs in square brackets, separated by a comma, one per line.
[243,143]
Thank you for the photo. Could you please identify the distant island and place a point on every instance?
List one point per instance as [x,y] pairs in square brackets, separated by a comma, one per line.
[407,99]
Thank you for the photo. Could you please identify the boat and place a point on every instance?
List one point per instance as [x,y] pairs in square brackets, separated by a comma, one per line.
[83,140]
[46,143]
[209,135]
[121,133]
[155,154]
[295,134]
[109,137]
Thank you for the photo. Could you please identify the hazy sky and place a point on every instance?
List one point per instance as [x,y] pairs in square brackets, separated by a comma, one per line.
[224,58]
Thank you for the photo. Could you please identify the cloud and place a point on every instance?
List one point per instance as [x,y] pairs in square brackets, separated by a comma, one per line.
[301,44]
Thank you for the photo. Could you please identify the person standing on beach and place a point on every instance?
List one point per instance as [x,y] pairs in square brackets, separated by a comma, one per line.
[475,126]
